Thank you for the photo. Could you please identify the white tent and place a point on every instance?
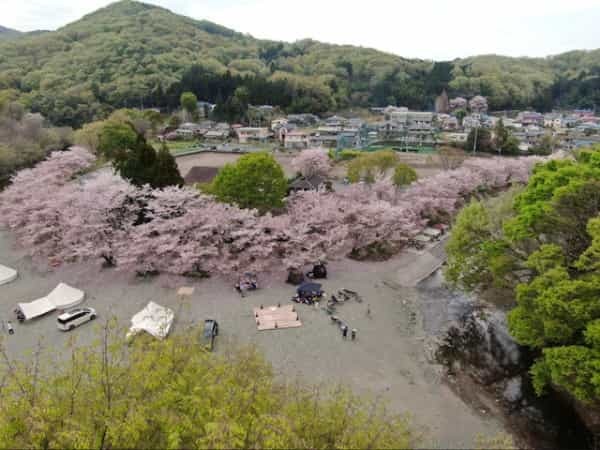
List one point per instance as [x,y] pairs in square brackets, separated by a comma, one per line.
[153,319]
[36,308]
[62,296]
[7,274]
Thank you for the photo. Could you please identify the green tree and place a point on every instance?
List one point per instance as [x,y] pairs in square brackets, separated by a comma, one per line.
[256,181]
[484,140]
[172,394]
[547,249]
[368,166]
[115,137]
[404,175]
[166,172]
[141,164]
[546,145]
[189,103]
[504,142]
[460,114]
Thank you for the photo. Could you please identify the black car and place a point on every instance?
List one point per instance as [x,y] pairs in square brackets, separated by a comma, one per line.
[211,330]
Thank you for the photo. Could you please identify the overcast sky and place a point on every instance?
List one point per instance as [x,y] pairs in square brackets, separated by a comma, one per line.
[431,29]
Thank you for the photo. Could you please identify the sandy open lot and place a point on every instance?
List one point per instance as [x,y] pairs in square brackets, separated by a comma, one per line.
[387,359]
[425,165]
[211,159]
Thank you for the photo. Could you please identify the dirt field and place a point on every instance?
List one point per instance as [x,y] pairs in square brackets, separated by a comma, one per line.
[185,163]
[387,359]
[425,165]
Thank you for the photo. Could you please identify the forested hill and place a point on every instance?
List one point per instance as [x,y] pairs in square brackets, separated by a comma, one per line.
[132,54]
[8,33]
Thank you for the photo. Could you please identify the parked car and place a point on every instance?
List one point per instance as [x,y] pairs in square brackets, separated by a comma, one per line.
[211,330]
[75,317]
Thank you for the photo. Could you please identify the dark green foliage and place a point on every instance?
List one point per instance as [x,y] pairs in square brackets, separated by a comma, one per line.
[484,141]
[504,142]
[548,250]
[256,181]
[135,159]
[166,172]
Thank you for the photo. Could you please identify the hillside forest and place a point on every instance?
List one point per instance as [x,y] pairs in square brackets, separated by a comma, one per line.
[131,54]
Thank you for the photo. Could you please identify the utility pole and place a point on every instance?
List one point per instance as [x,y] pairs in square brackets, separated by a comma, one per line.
[475,139]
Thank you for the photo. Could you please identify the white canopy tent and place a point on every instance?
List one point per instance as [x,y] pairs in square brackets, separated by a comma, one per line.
[153,319]
[7,274]
[62,296]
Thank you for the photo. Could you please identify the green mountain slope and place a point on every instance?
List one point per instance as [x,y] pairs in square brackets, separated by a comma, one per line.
[131,54]
[8,33]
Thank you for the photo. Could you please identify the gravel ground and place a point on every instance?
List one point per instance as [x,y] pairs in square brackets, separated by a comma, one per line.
[387,359]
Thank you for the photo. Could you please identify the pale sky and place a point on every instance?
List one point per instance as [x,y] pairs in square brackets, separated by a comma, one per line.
[430,29]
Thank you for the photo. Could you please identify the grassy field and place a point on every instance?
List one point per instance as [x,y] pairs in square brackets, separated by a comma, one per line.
[175,147]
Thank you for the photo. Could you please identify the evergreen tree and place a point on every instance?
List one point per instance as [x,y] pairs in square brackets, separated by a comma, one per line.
[504,142]
[166,172]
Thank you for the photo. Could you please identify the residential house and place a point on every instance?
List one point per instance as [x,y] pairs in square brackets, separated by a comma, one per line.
[530,118]
[246,134]
[296,139]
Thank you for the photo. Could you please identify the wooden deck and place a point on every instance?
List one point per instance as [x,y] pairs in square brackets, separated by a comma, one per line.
[276,317]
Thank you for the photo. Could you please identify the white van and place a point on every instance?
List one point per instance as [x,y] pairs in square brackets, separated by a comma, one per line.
[75,317]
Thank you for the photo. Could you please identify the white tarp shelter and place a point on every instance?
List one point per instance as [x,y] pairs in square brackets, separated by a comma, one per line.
[153,319]
[7,274]
[62,296]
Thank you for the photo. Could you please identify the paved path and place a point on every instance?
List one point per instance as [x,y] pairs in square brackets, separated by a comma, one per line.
[415,266]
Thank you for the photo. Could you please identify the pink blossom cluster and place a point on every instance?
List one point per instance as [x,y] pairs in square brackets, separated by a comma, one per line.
[58,216]
[312,162]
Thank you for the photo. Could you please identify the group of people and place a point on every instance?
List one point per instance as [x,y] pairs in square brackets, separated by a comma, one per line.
[344,328]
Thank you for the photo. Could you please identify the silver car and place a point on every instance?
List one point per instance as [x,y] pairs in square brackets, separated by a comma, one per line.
[75,317]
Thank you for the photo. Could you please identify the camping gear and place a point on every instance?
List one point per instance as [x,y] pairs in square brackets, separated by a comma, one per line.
[153,319]
[308,293]
[62,296]
[351,294]
[295,277]
[7,274]
[248,282]
[319,271]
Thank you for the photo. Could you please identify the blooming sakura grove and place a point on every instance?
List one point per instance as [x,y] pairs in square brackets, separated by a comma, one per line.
[311,162]
[62,217]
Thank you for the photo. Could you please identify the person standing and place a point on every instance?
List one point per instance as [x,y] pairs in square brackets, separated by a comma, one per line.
[353,335]
[344,331]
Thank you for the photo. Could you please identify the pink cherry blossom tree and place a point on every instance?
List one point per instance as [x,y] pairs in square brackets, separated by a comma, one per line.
[175,230]
[312,162]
